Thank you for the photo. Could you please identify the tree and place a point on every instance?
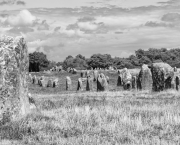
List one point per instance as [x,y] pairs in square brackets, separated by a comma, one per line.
[37,61]
[79,62]
[101,61]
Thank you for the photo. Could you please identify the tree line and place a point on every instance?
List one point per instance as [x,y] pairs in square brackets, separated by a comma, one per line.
[38,61]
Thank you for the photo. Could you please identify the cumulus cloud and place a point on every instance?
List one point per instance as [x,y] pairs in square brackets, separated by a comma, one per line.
[24,18]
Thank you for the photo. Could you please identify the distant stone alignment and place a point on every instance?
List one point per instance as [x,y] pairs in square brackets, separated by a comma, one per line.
[14,65]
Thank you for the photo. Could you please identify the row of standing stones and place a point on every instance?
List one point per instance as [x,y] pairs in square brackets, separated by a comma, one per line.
[157,77]
[14,75]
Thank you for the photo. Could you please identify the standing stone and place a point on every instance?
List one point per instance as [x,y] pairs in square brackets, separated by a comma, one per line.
[95,74]
[99,83]
[175,69]
[145,78]
[50,83]
[82,74]
[126,79]
[107,78]
[104,82]
[86,73]
[30,78]
[162,74]
[177,83]
[80,85]
[134,82]
[34,81]
[55,83]
[44,82]
[68,83]
[14,64]
[74,71]
[89,83]
[119,81]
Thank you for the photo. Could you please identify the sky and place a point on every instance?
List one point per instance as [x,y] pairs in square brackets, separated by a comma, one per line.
[60,28]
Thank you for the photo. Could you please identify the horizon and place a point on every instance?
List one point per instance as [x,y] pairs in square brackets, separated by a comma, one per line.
[87,27]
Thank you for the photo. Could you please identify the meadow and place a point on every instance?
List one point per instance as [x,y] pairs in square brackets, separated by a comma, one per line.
[116,117]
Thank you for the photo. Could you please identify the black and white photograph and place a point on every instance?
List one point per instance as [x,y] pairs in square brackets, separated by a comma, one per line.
[89,72]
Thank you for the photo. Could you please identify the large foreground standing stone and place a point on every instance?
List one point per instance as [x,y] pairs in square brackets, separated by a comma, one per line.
[14,65]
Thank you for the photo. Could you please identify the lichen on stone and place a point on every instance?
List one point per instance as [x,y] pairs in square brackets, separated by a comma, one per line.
[14,65]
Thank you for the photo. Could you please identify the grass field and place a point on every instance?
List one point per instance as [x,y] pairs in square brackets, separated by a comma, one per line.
[90,118]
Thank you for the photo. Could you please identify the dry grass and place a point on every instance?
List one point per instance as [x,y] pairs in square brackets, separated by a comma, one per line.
[108,118]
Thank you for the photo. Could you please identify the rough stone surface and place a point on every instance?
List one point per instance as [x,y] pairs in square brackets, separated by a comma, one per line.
[107,78]
[68,83]
[134,82]
[119,81]
[102,84]
[14,65]
[89,83]
[177,80]
[95,74]
[145,78]
[80,85]
[162,75]
[55,83]
[126,79]
[50,83]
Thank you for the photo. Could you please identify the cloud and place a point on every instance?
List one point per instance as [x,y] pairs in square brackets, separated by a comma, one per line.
[86,19]
[7,2]
[118,32]
[43,26]
[170,2]
[171,17]
[87,25]
[24,18]
[72,27]
[157,24]
[19,30]
[11,2]
[57,29]
[20,3]
[3,15]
